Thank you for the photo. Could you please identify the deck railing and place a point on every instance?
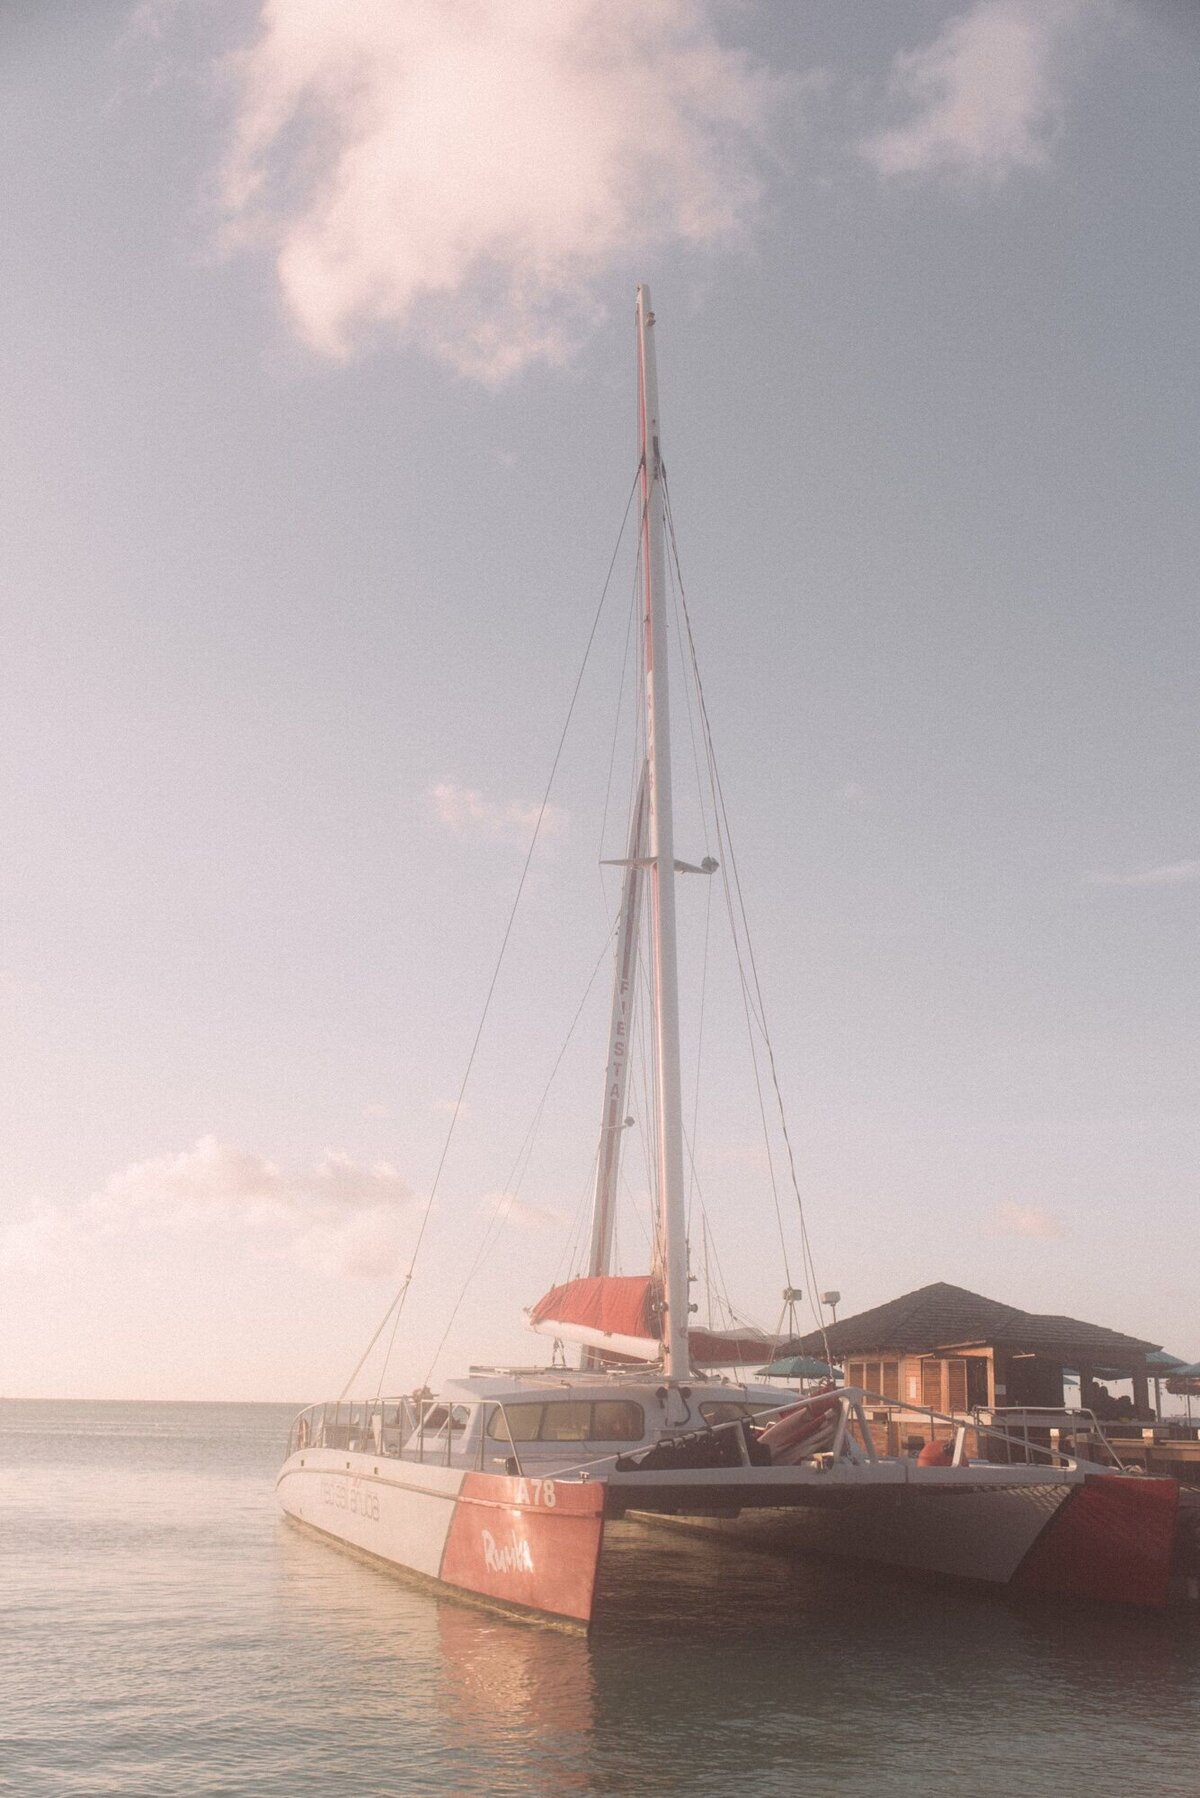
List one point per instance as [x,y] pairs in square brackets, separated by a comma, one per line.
[427,1430]
[867,1427]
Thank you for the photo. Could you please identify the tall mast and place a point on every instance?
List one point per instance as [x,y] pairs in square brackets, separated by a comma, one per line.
[616,1077]
[671,1216]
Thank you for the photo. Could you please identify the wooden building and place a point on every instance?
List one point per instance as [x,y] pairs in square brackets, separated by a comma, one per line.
[955,1351]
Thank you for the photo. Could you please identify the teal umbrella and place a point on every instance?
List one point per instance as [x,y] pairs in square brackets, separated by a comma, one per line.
[799,1367]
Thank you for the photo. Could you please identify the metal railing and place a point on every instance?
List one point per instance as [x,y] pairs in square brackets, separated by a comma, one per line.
[859,1416]
[424,1430]
[429,1431]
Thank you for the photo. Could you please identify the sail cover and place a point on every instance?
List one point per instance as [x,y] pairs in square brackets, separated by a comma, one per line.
[621,1313]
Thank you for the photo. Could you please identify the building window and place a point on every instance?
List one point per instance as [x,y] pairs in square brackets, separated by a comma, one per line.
[880,1377]
[957,1384]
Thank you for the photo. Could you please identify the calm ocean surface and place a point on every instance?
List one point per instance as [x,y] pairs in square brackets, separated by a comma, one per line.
[163,1632]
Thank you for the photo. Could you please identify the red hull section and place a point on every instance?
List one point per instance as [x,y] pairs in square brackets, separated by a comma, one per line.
[1111,1539]
[532,1543]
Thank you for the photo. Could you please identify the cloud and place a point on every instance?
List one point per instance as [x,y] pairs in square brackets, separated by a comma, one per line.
[851,793]
[507,1207]
[1011,1219]
[465,173]
[339,1216]
[29,1244]
[1165,874]
[987,95]
[464,809]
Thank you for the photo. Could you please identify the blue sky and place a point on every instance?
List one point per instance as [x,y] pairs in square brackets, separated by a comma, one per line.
[318,363]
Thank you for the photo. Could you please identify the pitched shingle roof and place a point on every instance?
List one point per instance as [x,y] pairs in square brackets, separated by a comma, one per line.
[944,1316]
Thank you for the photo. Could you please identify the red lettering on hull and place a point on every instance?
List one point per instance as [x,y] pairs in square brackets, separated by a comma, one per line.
[528,1542]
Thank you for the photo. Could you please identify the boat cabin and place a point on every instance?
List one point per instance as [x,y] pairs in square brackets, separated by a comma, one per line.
[508,1420]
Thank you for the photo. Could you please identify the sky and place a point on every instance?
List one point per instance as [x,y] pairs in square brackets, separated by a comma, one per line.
[318,435]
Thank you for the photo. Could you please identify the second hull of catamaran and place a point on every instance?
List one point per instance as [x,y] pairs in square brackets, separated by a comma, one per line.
[1107,1538]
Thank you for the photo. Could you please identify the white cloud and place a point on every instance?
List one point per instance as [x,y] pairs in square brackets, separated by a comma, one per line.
[521,1212]
[1165,874]
[1011,1219]
[466,172]
[464,809]
[37,1241]
[987,95]
[339,1216]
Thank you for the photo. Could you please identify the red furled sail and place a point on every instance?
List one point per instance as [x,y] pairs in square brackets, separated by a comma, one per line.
[622,1313]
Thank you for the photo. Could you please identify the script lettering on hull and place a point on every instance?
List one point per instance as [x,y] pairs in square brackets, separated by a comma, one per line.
[528,1542]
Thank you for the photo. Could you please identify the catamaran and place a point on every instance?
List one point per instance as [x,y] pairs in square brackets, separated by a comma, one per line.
[502,1484]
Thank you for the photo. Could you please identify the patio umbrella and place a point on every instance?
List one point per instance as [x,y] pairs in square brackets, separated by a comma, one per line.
[799,1367]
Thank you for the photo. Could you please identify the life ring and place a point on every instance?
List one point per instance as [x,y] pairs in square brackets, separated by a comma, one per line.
[801,1431]
[937,1454]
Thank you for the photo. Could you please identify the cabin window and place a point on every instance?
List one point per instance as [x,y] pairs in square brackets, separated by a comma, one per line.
[516,1423]
[723,1410]
[890,1383]
[956,1372]
[931,1384]
[856,1373]
[608,1420]
[438,1418]
[566,1423]
[617,1420]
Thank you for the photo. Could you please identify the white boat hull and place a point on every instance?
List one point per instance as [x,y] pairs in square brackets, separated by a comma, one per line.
[534,1544]
[1108,1537]
[526,1544]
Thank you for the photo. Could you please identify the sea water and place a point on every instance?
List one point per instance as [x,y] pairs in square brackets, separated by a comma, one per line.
[164,1632]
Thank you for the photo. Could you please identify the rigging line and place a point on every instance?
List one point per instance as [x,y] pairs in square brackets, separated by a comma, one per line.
[699,1044]
[517,1172]
[676,587]
[691,719]
[747,1008]
[647,1129]
[567,1254]
[398,1301]
[719,799]
[503,1211]
[724,1302]
[638,1219]
[621,688]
